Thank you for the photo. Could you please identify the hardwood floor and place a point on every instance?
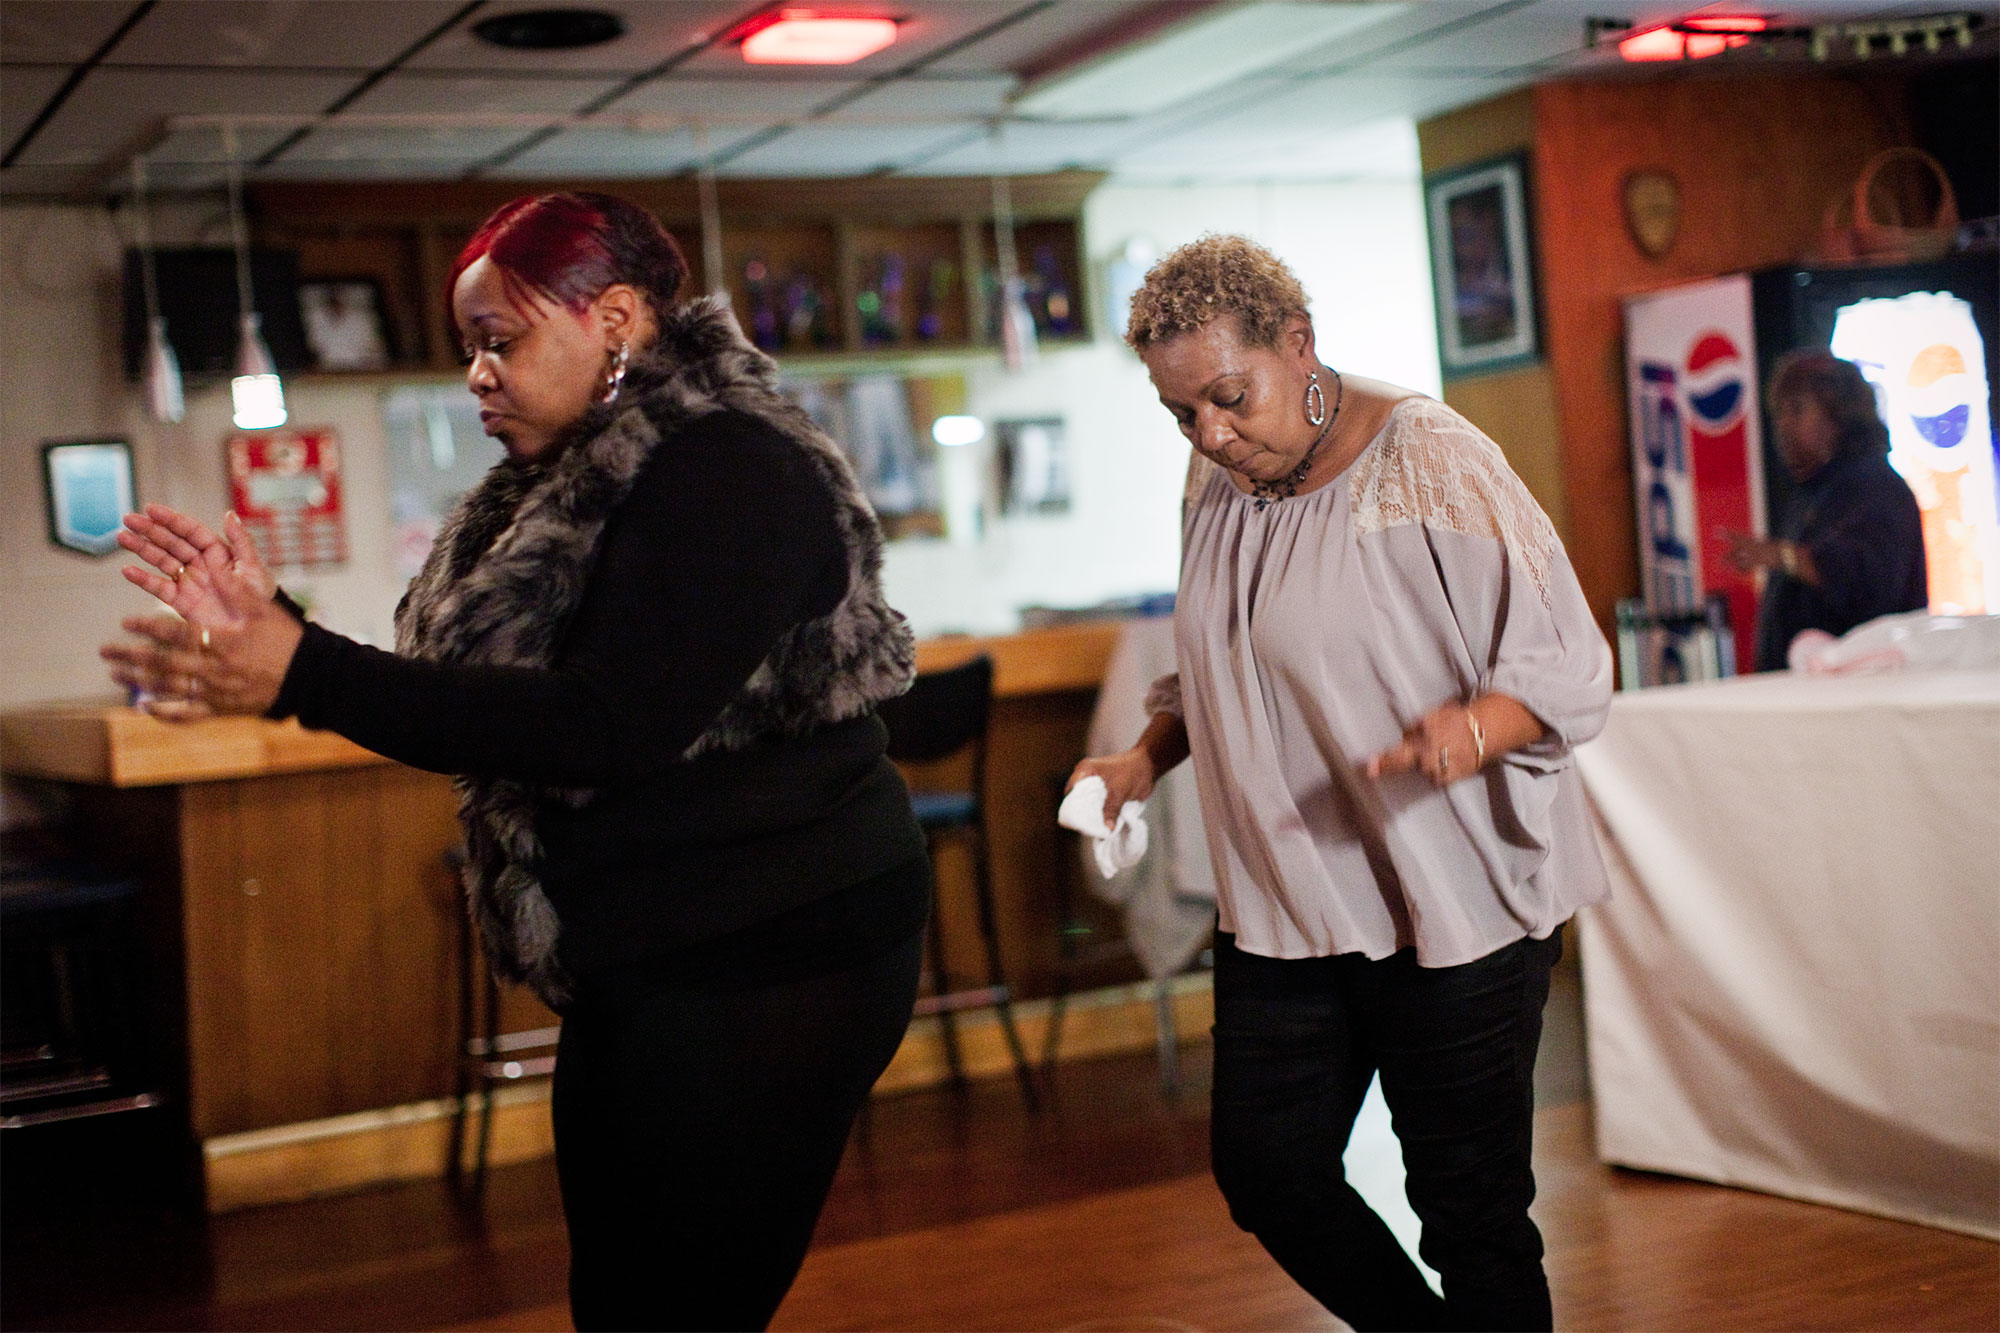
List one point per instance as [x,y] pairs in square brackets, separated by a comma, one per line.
[964,1212]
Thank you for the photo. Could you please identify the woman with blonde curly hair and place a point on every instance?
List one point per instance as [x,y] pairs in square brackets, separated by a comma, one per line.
[1385,662]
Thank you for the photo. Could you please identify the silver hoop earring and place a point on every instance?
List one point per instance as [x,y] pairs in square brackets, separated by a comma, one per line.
[1315,401]
[614,378]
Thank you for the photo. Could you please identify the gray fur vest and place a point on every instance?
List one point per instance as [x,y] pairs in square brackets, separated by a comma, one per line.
[510,567]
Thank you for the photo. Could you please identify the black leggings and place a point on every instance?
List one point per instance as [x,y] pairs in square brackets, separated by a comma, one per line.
[1297,1042]
[701,1109]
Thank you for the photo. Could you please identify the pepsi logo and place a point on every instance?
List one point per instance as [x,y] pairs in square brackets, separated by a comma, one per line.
[1715,382]
[1940,395]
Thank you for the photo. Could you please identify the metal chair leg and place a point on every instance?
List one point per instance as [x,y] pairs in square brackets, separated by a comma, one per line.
[1003,1005]
[940,985]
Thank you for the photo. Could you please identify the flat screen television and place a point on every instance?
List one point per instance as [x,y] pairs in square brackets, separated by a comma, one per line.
[198,299]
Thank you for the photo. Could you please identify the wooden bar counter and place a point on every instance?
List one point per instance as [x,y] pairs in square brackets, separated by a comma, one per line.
[304,929]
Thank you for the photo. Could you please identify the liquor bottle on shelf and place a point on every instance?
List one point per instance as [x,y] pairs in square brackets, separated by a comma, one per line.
[1054,308]
[764,328]
[936,292]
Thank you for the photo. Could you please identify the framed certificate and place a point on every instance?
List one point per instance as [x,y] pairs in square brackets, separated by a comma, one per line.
[88,488]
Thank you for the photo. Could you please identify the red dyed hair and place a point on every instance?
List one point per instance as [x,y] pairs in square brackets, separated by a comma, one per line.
[567,248]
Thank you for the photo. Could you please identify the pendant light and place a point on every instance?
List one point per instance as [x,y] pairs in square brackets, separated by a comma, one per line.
[256,392]
[1017,326]
[161,374]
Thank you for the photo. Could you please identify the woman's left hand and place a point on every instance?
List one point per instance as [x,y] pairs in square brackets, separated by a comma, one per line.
[234,664]
[1442,747]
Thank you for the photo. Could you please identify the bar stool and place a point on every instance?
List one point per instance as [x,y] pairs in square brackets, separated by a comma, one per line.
[488,1059]
[943,716]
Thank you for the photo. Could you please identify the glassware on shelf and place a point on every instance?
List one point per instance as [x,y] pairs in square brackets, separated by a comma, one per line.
[765,329]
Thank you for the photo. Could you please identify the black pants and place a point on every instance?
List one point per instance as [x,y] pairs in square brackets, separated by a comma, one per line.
[1296,1044]
[701,1108]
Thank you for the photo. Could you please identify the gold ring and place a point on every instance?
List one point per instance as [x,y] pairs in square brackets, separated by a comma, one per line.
[178,572]
[1444,760]
[204,638]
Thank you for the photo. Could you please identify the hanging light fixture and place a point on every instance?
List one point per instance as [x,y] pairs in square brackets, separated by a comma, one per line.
[161,374]
[256,393]
[1017,326]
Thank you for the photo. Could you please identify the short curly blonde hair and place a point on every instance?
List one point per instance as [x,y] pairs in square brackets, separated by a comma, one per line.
[1215,275]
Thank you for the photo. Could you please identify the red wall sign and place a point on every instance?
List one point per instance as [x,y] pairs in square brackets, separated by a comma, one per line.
[285,486]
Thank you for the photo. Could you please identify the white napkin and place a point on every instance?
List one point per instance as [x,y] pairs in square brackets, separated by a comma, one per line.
[1117,848]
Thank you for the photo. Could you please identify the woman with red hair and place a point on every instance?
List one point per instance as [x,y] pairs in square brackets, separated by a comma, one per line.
[649,644]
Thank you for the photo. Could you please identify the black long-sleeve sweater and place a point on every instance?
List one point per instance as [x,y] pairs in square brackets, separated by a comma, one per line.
[727,540]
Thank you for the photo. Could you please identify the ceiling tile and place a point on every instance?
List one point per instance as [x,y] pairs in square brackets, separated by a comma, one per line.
[23,94]
[1024,148]
[412,93]
[59,30]
[775,98]
[42,182]
[977,95]
[332,143]
[654,32]
[1027,43]
[615,153]
[838,150]
[206,146]
[113,110]
[353,34]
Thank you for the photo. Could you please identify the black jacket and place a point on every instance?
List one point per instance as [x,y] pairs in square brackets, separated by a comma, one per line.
[1861,524]
[652,664]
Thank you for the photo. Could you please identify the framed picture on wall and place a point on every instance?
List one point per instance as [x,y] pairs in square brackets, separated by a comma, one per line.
[87,486]
[1482,266]
[345,324]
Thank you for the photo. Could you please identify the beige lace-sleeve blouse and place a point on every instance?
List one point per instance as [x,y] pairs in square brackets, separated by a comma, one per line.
[1310,635]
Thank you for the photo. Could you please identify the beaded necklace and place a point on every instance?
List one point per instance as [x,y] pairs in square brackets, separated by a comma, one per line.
[1287,486]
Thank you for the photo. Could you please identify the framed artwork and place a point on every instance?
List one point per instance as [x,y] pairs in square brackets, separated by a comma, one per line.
[87,485]
[1032,459]
[344,323]
[1482,266]
[286,487]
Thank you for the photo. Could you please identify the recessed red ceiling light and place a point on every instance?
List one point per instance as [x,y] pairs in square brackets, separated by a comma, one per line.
[1675,44]
[810,37]
[1726,23]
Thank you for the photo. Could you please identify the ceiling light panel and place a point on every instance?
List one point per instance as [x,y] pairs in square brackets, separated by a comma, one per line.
[32,31]
[1026,44]
[926,27]
[353,34]
[1196,57]
[114,108]
[654,32]
[811,37]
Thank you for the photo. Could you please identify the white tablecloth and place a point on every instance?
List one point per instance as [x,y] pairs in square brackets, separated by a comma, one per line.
[1796,984]
[1169,896]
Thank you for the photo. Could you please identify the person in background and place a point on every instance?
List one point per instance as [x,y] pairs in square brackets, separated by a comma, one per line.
[1850,545]
[1385,662]
[649,645]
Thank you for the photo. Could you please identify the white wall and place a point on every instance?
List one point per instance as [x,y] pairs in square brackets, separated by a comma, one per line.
[1358,247]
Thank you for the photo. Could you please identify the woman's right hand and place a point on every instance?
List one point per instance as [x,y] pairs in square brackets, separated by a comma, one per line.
[1128,776]
[189,558]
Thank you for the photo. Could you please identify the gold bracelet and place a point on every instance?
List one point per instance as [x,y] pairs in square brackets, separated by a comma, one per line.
[1478,740]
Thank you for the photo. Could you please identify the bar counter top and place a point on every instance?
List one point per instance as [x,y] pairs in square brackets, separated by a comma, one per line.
[112,745]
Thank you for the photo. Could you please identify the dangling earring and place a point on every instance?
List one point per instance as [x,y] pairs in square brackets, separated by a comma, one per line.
[1315,401]
[614,378]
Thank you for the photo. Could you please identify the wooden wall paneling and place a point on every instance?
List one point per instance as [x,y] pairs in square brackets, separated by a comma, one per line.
[362,1037]
[214,927]
[412,989]
[1757,157]
[1518,409]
